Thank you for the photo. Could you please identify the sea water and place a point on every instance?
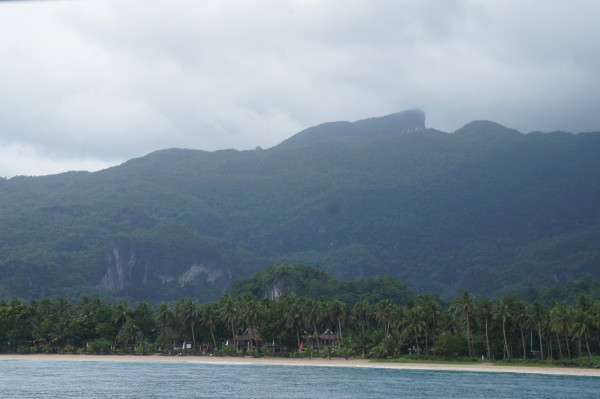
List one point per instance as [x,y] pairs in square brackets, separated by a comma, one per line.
[107,379]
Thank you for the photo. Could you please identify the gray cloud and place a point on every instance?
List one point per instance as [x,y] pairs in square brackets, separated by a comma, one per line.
[87,84]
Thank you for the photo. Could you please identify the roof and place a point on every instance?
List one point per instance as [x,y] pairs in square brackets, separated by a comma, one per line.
[250,334]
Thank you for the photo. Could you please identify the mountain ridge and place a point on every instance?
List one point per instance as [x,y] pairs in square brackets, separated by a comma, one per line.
[440,211]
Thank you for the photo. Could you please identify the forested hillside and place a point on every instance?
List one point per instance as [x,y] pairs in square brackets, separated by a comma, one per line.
[485,208]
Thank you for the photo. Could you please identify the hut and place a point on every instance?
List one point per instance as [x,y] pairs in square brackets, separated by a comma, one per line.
[320,341]
[250,339]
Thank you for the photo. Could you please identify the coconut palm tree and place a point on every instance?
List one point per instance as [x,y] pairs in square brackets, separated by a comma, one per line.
[163,315]
[164,318]
[294,318]
[560,319]
[121,313]
[229,311]
[462,307]
[431,311]
[383,314]
[416,324]
[538,317]
[582,322]
[186,312]
[252,310]
[337,311]
[209,317]
[520,317]
[360,313]
[503,312]
[484,310]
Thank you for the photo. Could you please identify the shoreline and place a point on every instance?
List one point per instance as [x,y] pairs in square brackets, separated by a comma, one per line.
[315,362]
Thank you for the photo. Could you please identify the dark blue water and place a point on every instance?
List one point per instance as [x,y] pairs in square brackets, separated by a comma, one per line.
[104,379]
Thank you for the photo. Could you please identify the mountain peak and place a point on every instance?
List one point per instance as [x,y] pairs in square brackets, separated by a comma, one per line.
[485,127]
[383,126]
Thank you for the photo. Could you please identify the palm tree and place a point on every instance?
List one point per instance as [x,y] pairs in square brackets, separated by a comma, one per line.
[209,317]
[128,332]
[143,316]
[337,310]
[431,312]
[186,312]
[294,318]
[462,308]
[383,314]
[253,311]
[163,315]
[521,317]
[582,322]
[503,312]
[398,321]
[538,317]
[360,313]
[314,314]
[416,324]
[229,312]
[121,313]
[484,308]
[560,318]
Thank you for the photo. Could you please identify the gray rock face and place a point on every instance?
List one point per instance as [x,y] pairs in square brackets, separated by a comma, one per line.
[120,260]
[127,268]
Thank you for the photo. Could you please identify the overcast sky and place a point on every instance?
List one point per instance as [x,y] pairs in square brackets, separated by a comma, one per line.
[89,84]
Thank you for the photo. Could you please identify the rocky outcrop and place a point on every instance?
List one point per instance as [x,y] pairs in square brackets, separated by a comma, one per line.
[127,268]
[279,287]
[120,262]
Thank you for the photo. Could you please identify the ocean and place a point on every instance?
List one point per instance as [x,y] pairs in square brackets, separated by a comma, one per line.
[108,379]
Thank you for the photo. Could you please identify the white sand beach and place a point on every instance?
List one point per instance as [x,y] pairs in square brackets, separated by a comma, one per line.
[318,362]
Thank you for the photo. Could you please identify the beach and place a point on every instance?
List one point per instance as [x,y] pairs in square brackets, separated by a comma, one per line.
[316,362]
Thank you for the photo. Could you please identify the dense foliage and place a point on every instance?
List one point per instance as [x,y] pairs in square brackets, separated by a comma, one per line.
[290,326]
[485,209]
[283,279]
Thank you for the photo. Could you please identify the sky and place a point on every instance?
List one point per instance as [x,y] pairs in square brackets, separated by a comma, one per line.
[88,84]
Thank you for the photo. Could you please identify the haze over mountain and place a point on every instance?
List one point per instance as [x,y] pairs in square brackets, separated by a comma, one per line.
[485,208]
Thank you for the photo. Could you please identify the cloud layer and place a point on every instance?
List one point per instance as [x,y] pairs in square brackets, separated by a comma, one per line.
[87,84]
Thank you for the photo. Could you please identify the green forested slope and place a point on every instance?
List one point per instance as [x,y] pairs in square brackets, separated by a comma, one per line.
[485,208]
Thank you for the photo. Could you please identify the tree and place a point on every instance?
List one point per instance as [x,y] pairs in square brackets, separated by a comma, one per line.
[129,332]
[164,318]
[314,312]
[186,312]
[560,318]
[484,309]
[294,316]
[462,308]
[229,312]
[383,314]
[503,312]
[252,311]
[360,313]
[521,318]
[431,312]
[163,315]
[208,317]
[337,310]
[416,324]
[143,317]
[582,322]
[538,317]
[121,313]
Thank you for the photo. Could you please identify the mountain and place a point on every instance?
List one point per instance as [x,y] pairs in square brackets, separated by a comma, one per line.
[485,208]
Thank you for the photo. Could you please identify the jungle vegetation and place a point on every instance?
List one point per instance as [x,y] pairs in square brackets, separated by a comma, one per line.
[368,325]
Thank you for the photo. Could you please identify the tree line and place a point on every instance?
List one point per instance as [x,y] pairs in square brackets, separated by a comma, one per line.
[467,327]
